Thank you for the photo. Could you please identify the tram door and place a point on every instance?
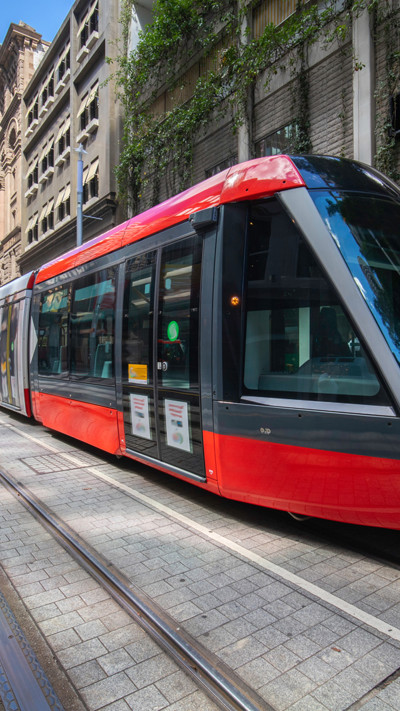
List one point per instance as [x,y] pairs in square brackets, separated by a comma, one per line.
[160,361]
[8,354]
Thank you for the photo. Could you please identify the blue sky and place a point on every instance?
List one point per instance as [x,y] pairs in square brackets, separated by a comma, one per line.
[45,16]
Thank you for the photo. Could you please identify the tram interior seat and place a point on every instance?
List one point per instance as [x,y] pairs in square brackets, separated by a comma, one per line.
[60,363]
[328,340]
[325,376]
[103,361]
[107,369]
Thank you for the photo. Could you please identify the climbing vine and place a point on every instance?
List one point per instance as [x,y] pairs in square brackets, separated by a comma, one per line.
[158,136]
[387,152]
[300,140]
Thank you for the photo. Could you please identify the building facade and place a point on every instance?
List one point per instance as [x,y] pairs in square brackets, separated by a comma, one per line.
[70,103]
[339,92]
[20,54]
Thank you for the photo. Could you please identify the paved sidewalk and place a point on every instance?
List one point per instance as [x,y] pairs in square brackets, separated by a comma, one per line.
[310,627]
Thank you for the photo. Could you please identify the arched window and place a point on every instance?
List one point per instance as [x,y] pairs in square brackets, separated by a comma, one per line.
[12,139]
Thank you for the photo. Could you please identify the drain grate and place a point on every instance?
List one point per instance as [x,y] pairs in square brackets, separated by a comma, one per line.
[49,464]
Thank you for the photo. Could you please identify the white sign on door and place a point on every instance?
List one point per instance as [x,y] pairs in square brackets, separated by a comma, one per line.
[177,422]
[140,416]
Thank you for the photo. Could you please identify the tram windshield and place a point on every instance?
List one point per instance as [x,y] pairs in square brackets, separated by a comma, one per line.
[366,230]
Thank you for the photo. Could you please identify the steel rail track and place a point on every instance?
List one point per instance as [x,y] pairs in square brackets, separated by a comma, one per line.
[218,681]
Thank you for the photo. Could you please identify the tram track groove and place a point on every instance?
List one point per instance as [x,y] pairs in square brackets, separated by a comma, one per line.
[217,680]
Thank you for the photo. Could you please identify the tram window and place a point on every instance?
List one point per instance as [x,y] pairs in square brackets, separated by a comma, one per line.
[179,314]
[3,353]
[92,325]
[299,342]
[53,332]
[365,229]
[137,342]
[9,353]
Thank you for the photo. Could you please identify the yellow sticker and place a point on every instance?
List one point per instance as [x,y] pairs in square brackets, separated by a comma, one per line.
[137,373]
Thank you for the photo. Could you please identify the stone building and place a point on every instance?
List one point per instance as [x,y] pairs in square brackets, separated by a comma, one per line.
[20,54]
[342,77]
[70,102]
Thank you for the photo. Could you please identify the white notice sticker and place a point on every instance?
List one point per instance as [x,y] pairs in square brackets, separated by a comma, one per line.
[177,422]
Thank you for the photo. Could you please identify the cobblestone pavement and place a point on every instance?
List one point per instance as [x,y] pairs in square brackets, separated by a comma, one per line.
[309,626]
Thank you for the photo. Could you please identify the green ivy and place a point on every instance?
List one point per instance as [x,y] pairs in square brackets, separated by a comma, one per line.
[181,32]
[387,152]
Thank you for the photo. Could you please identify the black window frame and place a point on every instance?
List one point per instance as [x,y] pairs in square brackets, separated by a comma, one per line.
[235,304]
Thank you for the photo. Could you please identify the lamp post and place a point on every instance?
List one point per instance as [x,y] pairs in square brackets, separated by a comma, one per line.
[79,194]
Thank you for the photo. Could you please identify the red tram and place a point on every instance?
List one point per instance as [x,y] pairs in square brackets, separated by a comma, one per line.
[243,335]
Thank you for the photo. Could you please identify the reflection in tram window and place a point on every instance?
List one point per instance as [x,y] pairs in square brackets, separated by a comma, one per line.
[92,325]
[179,314]
[3,354]
[137,342]
[53,332]
[9,354]
[365,228]
[299,342]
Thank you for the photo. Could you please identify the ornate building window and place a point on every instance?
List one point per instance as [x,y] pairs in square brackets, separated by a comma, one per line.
[12,139]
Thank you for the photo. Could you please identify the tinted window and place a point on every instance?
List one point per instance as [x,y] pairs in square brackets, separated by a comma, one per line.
[299,342]
[53,332]
[92,325]
[179,314]
[365,228]
[10,315]
[137,342]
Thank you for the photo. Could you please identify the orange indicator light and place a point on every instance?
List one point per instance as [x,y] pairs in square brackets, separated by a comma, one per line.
[235,301]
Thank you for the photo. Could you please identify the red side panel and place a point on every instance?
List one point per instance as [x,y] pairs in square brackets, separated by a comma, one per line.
[338,486]
[252,179]
[176,209]
[168,213]
[97,247]
[209,456]
[35,406]
[121,432]
[256,178]
[27,400]
[89,423]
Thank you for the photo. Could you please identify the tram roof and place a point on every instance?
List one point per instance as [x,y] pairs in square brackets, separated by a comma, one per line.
[252,179]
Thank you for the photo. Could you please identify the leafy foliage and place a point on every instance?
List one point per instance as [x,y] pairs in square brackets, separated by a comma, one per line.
[387,150]
[182,31]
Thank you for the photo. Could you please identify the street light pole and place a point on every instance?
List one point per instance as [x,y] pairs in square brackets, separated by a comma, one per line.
[79,195]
